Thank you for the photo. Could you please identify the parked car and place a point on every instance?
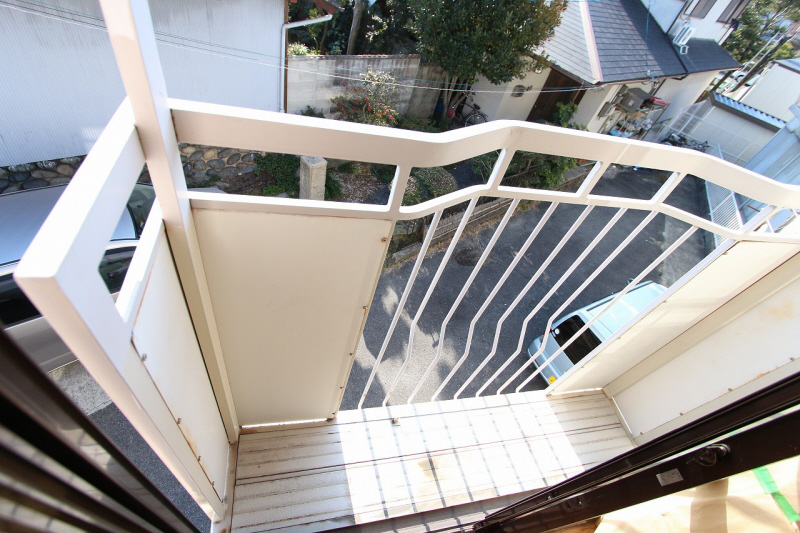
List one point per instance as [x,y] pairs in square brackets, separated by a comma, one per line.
[22,213]
[609,322]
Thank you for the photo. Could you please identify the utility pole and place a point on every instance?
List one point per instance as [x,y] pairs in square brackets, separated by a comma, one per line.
[358,9]
[763,61]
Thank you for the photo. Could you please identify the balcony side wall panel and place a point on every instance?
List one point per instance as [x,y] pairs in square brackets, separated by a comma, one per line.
[291,294]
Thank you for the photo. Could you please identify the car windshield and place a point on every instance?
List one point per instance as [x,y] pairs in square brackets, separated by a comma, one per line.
[584,344]
[140,202]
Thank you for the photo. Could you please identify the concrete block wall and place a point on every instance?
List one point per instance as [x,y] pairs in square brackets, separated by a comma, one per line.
[315,80]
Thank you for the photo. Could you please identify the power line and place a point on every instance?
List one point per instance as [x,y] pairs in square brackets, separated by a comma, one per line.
[101,27]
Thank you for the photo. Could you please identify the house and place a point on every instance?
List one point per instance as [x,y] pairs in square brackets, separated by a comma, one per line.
[239,322]
[622,63]
[776,90]
[220,52]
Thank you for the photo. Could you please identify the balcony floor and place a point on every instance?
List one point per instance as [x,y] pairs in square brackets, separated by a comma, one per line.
[364,468]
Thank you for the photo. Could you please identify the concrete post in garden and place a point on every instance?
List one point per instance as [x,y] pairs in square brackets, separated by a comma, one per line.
[312,177]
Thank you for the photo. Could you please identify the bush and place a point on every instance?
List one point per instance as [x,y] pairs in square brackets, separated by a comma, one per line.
[311,112]
[299,49]
[272,190]
[282,168]
[371,103]
[385,173]
[483,165]
[427,183]
[333,188]
[417,124]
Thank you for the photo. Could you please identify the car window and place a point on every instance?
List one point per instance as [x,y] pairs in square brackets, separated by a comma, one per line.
[16,308]
[14,305]
[581,347]
[139,204]
[114,266]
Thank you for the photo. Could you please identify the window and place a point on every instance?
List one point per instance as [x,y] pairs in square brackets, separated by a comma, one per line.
[15,306]
[581,347]
[733,11]
[702,8]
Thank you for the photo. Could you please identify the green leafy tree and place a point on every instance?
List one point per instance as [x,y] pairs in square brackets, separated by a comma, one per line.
[496,39]
[760,21]
[371,102]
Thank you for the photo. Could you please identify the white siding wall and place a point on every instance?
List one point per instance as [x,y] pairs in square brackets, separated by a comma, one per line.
[733,134]
[775,92]
[680,94]
[499,104]
[61,83]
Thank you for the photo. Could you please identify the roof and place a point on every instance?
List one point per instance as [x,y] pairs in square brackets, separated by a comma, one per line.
[745,111]
[606,41]
[705,55]
[791,64]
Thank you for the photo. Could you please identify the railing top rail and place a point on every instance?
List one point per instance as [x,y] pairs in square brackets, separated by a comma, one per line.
[219,125]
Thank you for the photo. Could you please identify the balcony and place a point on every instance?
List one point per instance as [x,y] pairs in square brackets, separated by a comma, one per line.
[234,336]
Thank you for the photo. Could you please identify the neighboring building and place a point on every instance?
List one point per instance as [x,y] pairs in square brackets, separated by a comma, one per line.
[734,131]
[218,52]
[616,54]
[779,159]
[776,89]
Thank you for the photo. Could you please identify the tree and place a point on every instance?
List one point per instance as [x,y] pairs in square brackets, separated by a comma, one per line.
[496,39]
[761,20]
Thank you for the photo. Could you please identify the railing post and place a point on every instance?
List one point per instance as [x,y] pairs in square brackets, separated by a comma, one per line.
[130,28]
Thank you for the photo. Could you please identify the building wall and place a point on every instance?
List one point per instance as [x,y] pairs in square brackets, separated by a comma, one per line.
[707,27]
[665,11]
[498,103]
[779,159]
[680,94]
[775,92]
[731,133]
[62,85]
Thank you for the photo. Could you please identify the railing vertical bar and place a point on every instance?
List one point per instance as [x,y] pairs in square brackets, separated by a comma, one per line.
[599,237]
[494,292]
[672,182]
[523,292]
[666,253]
[592,178]
[412,329]
[613,255]
[464,289]
[401,304]
[500,167]
[398,188]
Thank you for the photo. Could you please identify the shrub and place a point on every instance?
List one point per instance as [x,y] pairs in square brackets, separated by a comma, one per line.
[311,112]
[385,173]
[282,168]
[272,189]
[427,183]
[436,181]
[299,49]
[370,103]
[483,165]
[417,124]
[333,188]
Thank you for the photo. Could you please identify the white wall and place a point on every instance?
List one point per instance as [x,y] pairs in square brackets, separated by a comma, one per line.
[680,94]
[499,104]
[756,346]
[707,27]
[590,105]
[779,159]
[733,134]
[664,11]
[775,92]
[61,84]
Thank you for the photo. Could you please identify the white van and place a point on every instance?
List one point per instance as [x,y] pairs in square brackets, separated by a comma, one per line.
[565,327]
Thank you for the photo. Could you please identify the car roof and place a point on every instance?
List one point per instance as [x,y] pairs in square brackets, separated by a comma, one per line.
[22,213]
[627,307]
[622,311]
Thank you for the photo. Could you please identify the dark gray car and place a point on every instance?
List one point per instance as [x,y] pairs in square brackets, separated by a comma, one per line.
[21,215]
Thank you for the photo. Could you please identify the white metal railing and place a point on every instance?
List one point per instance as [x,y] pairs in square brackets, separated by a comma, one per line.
[59,272]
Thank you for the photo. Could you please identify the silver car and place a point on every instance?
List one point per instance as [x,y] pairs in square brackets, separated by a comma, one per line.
[21,215]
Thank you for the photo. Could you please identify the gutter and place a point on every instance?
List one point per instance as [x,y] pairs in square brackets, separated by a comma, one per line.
[284,28]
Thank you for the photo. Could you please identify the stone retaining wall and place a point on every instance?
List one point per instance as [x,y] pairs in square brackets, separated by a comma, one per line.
[201,165]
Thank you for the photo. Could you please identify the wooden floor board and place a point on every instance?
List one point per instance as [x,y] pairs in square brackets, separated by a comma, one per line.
[363,467]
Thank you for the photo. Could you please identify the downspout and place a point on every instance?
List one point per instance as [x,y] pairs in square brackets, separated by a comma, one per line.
[284,28]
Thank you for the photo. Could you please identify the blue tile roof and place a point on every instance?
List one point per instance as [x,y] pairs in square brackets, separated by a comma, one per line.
[751,113]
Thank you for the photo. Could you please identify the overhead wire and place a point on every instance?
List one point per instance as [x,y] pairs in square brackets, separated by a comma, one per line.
[411,82]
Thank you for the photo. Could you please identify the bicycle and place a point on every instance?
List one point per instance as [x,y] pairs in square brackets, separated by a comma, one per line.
[466,110]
